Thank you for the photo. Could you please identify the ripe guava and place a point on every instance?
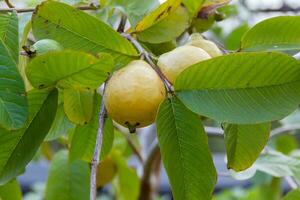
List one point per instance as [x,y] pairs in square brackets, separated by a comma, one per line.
[133,94]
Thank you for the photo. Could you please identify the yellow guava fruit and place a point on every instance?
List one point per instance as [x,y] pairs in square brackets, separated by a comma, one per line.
[174,62]
[211,48]
[133,95]
[106,171]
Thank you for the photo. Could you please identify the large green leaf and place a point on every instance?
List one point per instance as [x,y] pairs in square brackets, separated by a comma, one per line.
[242,88]
[18,148]
[61,125]
[84,138]
[167,29]
[185,153]
[78,105]
[127,183]
[75,29]
[244,144]
[160,13]
[13,104]
[278,33]
[11,191]
[69,69]
[67,180]
[292,195]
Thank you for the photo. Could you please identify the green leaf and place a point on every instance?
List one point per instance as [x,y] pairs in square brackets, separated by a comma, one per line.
[127,183]
[285,143]
[84,138]
[185,153]
[67,180]
[272,163]
[78,105]
[278,33]
[244,144]
[232,41]
[193,5]
[135,9]
[11,191]
[158,14]
[13,104]
[242,88]
[75,29]
[18,148]
[69,69]
[292,195]
[167,29]
[61,125]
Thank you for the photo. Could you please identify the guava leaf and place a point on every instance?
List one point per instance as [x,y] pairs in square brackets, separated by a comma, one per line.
[77,30]
[11,191]
[135,9]
[19,147]
[155,16]
[127,183]
[168,28]
[242,88]
[60,126]
[292,195]
[84,138]
[276,34]
[193,5]
[244,144]
[13,103]
[185,152]
[67,180]
[69,69]
[78,105]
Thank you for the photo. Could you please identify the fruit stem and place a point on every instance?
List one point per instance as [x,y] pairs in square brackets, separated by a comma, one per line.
[147,57]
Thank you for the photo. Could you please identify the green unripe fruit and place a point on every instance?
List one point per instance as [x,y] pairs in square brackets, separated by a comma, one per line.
[45,46]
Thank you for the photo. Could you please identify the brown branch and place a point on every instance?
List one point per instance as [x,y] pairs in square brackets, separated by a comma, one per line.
[122,24]
[146,190]
[135,150]
[215,131]
[24,10]
[97,150]
[10,5]
[147,57]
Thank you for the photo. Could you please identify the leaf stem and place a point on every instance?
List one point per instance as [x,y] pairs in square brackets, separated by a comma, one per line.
[95,161]
[147,57]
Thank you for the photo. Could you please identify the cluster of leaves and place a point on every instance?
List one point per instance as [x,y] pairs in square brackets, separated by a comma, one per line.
[55,94]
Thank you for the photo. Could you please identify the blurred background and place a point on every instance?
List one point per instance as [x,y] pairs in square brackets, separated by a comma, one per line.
[239,16]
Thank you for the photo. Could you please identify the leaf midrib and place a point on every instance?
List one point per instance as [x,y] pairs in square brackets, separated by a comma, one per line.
[180,151]
[242,88]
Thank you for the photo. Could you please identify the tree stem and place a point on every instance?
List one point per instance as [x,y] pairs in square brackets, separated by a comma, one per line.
[25,10]
[146,191]
[97,151]
[146,56]
[10,5]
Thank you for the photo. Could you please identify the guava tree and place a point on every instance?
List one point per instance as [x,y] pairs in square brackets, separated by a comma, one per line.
[78,75]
